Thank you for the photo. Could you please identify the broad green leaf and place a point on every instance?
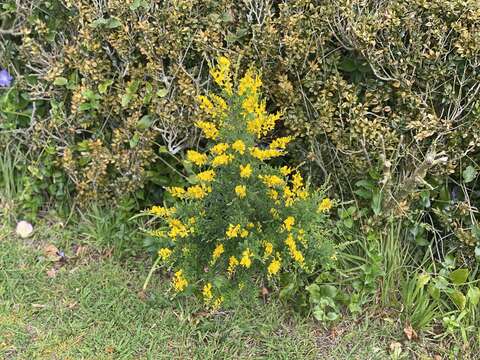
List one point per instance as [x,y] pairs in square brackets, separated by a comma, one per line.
[60,81]
[473,295]
[329,291]
[162,93]
[102,88]
[458,299]
[126,98]
[469,174]
[459,276]
[423,279]
[145,122]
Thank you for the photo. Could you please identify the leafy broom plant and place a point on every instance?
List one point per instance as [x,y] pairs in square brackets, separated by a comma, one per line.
[242,223]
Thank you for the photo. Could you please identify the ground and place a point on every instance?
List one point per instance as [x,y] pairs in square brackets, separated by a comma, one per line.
[88,305]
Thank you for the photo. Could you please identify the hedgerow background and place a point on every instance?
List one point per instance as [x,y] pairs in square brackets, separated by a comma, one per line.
[381,98]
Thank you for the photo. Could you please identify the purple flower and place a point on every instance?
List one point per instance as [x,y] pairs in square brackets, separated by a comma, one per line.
[5,78]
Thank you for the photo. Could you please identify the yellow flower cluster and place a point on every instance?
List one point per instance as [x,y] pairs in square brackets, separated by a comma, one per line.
[241,191]
[216,109]
[162,211]
[197,158]
[272,180]
[209,129]
[222,159]
[219,250]
[234,231]
[245,171]
[265,154]
[206,176]
[294,252]
[221,74]
[207,292]
[288,223]
[179,281]
[274,267]
[232,264]
[268,249]
[219,149]
[325,205]
[246,260]
[164,253]
[239,146]
[177,229]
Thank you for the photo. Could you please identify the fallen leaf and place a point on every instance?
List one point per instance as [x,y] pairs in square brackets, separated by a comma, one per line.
[52,273]
[410,332]
[51,252]
[24,229]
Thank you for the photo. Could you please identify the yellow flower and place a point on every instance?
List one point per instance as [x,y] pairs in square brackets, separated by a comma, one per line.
[239,146]
[197,158]
[280,143]
[274,267]
[219,149]
[196,192]
[176,191]
[209,129]
[219,250]
[205,103]
[233,231]
[162,211]
[179,281]
[272,180]
[241,191]
[285,170]
[207,292]
[250,82]
[177,228]
[245,171]
[325,205]
[216,109]
[297,181]
[265,154]
[232,264]
[268,249]
[164,253]
[221,74]
[246,260]
[294,252]
[244,233]
[206,176]
[217,303]
[272,194]
[288,223]
[222,159]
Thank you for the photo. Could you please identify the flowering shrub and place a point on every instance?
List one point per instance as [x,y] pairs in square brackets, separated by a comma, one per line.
[240,219]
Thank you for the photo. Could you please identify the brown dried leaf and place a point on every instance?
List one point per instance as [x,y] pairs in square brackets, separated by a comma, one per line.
[410,333]
[51,252]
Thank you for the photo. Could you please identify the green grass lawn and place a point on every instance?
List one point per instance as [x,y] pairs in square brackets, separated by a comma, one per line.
[90,307]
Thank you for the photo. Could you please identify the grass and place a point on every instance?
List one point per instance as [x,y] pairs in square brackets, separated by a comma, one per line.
[90,307]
